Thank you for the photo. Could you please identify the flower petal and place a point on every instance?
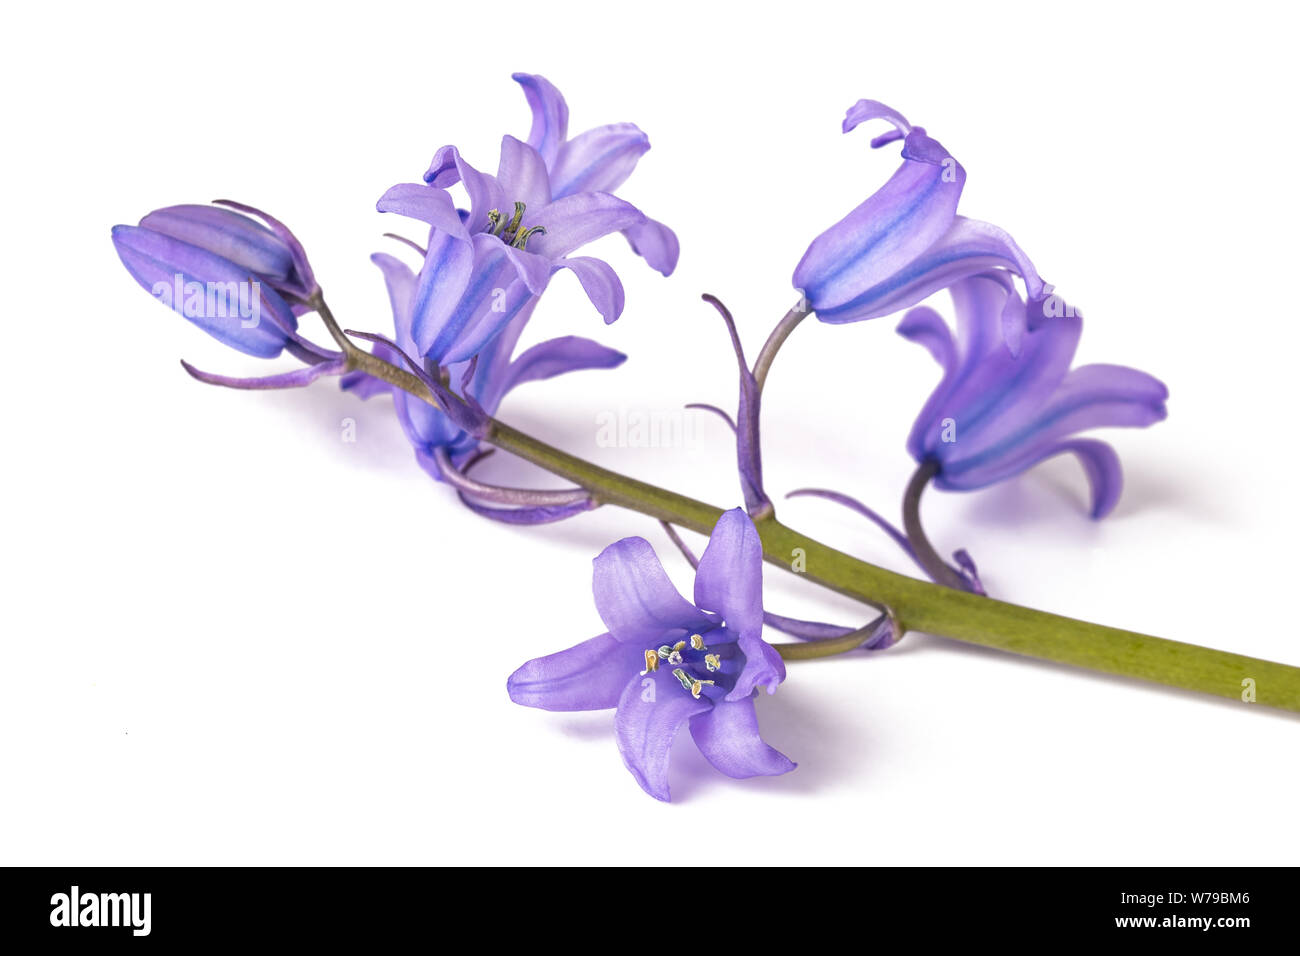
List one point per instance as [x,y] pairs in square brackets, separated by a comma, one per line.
[589,676]
[729,579]
[440,290]
[449,167]
[655,243]
[224,233]
[650,712]
[577,220]
[570,353]
[522,175]
[968,248]
[885,234]
[728,737]
[1101,465]
[635,598]
[599,160]
[599,281]
[926,327]
[297,378]
[158,262]
[550,115]
[427,204]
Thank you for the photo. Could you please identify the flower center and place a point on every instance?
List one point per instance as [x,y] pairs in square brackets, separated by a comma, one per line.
[690,660]
[512,232]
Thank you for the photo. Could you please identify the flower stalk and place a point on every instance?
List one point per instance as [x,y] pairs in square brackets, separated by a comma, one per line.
[917,605]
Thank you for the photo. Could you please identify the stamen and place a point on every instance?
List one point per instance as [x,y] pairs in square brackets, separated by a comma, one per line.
[697,642]
[697,686]
[519,217]
[495,221]
[682,679]
[651,662]
[713,662]
[665,651]
[521,241]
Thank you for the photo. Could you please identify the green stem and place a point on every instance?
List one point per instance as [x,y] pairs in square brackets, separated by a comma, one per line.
[923,606]
[917,605]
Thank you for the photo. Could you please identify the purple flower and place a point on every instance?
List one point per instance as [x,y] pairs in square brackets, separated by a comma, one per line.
[485,266]
[240,281]
[994,415]
[906,241]
[490,375]
[665,660]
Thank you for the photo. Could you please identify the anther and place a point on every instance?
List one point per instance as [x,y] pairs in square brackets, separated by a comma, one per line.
[713,662]
[651,662]
[697,642]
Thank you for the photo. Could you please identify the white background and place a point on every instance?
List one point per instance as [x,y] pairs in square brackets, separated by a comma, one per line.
[231,637]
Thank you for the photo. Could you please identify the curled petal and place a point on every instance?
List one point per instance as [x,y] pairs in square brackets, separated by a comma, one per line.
[589,676]
[634,597]
[599,160]
[553,357]
[924,326]
[425,203]
[449,167]
[650,712]
[864,110]
[537,514]
[728,737]
[550,115]
[1101,465]
[599,281]
[655,243]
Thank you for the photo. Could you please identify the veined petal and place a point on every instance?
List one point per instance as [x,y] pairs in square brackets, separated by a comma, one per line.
[494,297]
[650,712]
[449,167]
[224,233]
[440,289]
[579,219]
[532,269]
[401,283]
[728,737]
[156,261]
[599,281]
[1101,465]
[634,597]
[729,579]
[655,243]
[522,174]
[1091,396]
[550,115]
[589,676]
[968,248]
[428,204]
[864,110]
[302,279]
[599,160]
[557,356]
[885,234]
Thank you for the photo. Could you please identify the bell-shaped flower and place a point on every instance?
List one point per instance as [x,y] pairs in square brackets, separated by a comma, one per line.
[599,160]
[239,280]
[666,661]
[994,415]
[906,241]
[493,373]
[484,266]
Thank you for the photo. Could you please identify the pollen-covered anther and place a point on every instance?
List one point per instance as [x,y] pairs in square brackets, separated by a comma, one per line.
[697,686]
[651,662]
[713,662]
[697,642]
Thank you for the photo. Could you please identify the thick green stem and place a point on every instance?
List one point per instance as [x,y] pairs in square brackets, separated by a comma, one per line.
[923,606]
[916,605]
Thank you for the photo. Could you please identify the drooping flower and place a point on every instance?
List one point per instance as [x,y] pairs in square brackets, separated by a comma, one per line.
[441,445]
[484,266]
[906,241]
[242,282]
[665,660]
[994,415]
